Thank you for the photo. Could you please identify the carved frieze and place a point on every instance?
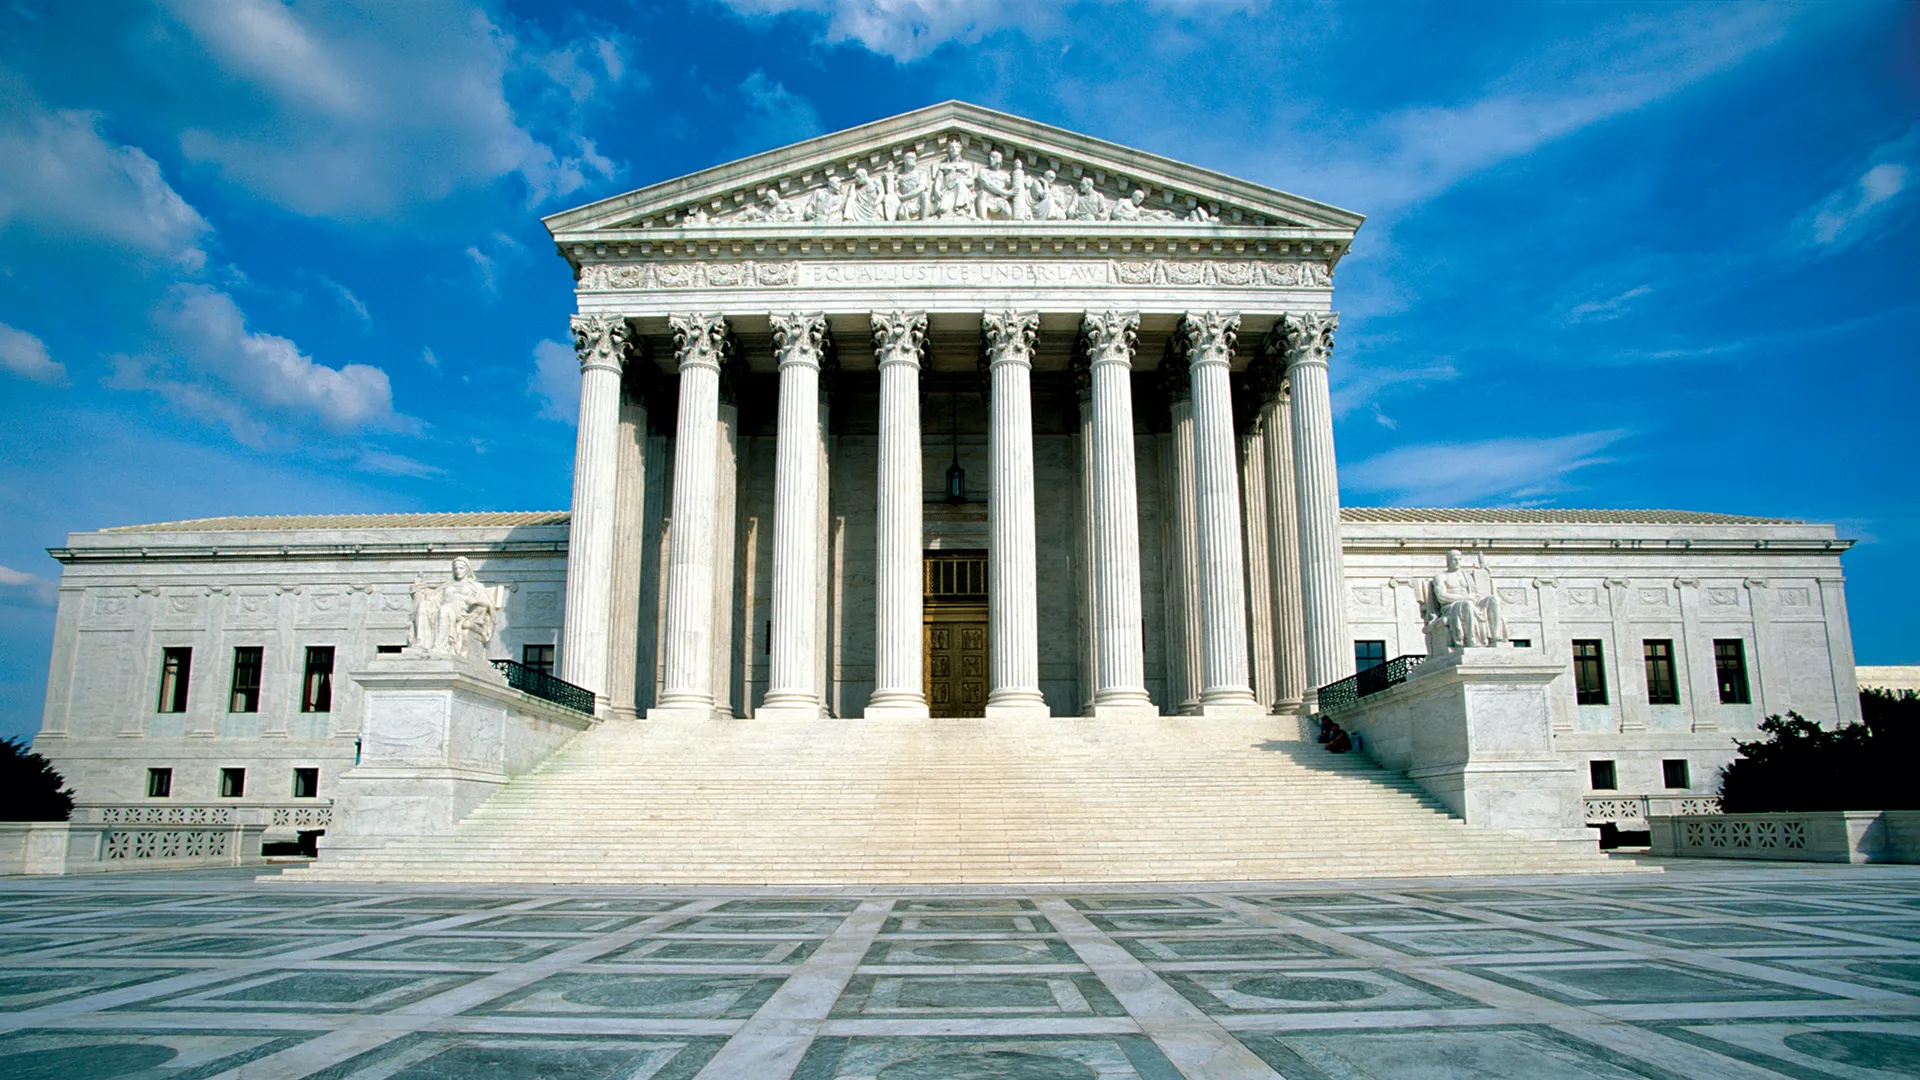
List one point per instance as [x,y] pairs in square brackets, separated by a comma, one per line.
[1270,274]
[952,179]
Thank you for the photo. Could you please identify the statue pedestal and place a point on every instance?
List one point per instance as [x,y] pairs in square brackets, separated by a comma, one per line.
[439,736]
[1472,727]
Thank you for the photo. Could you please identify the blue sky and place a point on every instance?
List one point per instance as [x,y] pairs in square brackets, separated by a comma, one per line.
[263,257]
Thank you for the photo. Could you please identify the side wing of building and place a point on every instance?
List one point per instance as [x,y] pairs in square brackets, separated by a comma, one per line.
[209,661]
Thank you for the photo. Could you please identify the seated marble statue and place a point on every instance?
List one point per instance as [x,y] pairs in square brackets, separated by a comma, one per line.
[448,615]
[1462,611]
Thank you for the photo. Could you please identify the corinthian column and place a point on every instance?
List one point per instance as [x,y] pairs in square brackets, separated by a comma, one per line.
[601,342]
[899,686]
[1108,338]
[1283,532]
[1308,340]
[793,676]
[1013,610]
[700,343]
[1209,338]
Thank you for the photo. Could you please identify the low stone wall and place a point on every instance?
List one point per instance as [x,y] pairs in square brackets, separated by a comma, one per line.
[97,847]
[1849,836]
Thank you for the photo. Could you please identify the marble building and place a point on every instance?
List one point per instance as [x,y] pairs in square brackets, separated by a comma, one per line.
[953,414]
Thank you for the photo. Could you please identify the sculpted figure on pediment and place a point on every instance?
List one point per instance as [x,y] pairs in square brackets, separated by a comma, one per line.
[954,184]
[909,190]
[1089,205]
[1134,208]
[1049,200]
[771,208]
[866,199]
[996,190]
[825,200]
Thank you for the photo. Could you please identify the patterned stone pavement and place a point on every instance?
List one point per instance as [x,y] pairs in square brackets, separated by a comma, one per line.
[1719,970]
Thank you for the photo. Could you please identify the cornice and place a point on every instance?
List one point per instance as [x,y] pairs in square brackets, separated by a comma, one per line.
[92,555]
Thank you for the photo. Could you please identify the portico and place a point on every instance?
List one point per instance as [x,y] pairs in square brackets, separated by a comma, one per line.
[810,323]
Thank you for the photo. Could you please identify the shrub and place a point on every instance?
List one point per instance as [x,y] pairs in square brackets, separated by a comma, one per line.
[30,789]
[1801,766]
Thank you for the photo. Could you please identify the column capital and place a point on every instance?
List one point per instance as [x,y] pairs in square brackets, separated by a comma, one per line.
[700,340]
[1306,337]
[1007,337]
[899,337]
[800,338]
[1107,337]
[1208,337]
[600,341]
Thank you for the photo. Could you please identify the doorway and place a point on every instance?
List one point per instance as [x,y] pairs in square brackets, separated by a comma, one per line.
[956,633]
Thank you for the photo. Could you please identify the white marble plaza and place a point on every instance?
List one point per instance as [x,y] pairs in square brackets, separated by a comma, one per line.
[1720,971]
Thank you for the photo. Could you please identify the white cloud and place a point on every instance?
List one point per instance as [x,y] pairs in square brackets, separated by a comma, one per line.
[773,116]
[389,464]
[367,111]
[556,381]
[18,585]
[26,356]
[214,366]
[1842,218]
[1366,384]
[908,30]
[62,180]
[1611,308]
[353,304]
[1473,473]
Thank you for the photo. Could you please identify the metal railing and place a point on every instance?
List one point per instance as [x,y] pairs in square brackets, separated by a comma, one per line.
[1346,694]
[545,687]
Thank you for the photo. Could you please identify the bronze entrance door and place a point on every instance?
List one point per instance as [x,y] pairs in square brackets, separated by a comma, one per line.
[956,633]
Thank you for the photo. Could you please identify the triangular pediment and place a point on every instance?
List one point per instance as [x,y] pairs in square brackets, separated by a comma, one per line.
[951,167]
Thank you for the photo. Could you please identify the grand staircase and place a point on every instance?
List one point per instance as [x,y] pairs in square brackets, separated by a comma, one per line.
[951,801]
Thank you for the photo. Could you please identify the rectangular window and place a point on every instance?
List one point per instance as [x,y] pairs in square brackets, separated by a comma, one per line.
[306,783]
[246,679]
[1601,773]
[159,783]
[233,783]
[1521,643]
[538,657]
[316,692]
[388,650]
[176,667]
[1589,673]
[1676,774]
[1730,661]
[1369,654]
[1662,687]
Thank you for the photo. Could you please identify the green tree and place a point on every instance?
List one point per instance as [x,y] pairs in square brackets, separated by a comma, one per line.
[30,789]
[1801,766]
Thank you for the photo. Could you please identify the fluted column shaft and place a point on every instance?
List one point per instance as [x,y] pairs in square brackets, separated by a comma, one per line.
[601,343]
[1013,584]
[1088,598]
[793,675]
[1109,340]
[629,532]
[1189,648]
[1223,585]
[700,343]
[1283,542]
[899,687]
[1329,652]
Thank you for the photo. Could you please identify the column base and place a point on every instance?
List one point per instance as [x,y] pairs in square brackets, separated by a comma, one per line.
[1020,708]
[798,707]
[897,711]
[682,707]
[1123,705]
[1231,702]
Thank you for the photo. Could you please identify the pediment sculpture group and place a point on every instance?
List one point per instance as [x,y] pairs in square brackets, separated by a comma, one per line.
[448,615]
[1460,607]
[952,188]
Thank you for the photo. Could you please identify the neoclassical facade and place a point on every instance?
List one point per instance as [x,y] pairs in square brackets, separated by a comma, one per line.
[1137,345]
